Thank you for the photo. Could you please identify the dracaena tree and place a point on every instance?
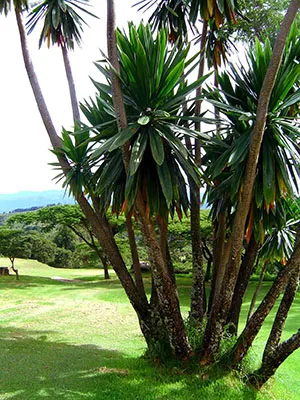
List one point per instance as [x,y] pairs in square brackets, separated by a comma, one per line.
[178,16]
[276,170]
[151,183]
[62,25]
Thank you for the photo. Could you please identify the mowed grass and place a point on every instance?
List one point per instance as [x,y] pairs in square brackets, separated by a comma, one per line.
[68,334]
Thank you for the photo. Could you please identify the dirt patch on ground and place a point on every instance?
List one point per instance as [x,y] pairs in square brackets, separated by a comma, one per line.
[59,278]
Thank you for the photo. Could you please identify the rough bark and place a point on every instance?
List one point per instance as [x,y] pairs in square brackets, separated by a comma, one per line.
[71,83]
[269,367]
[166,289]
[253,326]
[281,316]
[241,285]
[218,259]
[135,257]
[163,241]
[215,326]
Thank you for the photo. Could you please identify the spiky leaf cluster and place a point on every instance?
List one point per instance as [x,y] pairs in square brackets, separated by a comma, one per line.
[63,23]
[278,166]
[154,87]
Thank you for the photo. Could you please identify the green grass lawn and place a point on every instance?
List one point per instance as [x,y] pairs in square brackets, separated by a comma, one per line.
[68,334]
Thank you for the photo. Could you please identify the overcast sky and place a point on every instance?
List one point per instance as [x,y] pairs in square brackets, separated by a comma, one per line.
[25,154]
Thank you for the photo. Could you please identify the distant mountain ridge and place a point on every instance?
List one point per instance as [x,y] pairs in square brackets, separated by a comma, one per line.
[26,200]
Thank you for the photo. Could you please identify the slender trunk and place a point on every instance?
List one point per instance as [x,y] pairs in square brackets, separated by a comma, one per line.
[104,261]
[94,247]
[215,326]
[135,257]
[257,289]
[39,98]
[197,293]
[219,263]
[71,83]
[163,241]
[281,315]
[12,260]
[272,362]
[209,259]
[253,326]
[241,285]
[166,289]
[216,110]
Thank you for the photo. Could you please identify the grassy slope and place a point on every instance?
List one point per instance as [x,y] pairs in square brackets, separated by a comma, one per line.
[80,340]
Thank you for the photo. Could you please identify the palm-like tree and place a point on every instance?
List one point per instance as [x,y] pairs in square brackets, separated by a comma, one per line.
[62,26]
[276,171]
[152,183]
[169,14]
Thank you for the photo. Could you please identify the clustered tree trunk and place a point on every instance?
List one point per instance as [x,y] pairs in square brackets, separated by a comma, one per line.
[160,318]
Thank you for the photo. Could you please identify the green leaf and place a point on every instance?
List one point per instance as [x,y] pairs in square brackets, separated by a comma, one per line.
[137,153]
[165,181]
[268,173]
[131,189]
[111,172]
[55,18]
[123,136]
[144,120]
[157,147]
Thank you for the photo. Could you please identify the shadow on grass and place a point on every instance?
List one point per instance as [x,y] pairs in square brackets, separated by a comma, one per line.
[33,367]
[34,281]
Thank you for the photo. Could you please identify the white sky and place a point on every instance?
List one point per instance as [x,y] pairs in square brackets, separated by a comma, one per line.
[25,154]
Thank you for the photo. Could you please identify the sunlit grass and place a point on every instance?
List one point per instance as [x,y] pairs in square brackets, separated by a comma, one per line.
[77,337]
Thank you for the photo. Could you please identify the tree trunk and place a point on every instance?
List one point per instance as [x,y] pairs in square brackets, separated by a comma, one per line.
[253,326]
[241,285]
[12,260]
[218,259]
[197,293]
[163,241]
[209,259]
[215,326]
[93,246]
[281,315]
[70,79]
[166,289]
[135,257]
[272,362]
[257,289]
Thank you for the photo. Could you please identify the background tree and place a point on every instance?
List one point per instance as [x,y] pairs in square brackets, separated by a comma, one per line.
[62,26]
[14,244]
[63,217]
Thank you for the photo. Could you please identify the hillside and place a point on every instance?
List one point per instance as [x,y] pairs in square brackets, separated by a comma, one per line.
[27,200]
